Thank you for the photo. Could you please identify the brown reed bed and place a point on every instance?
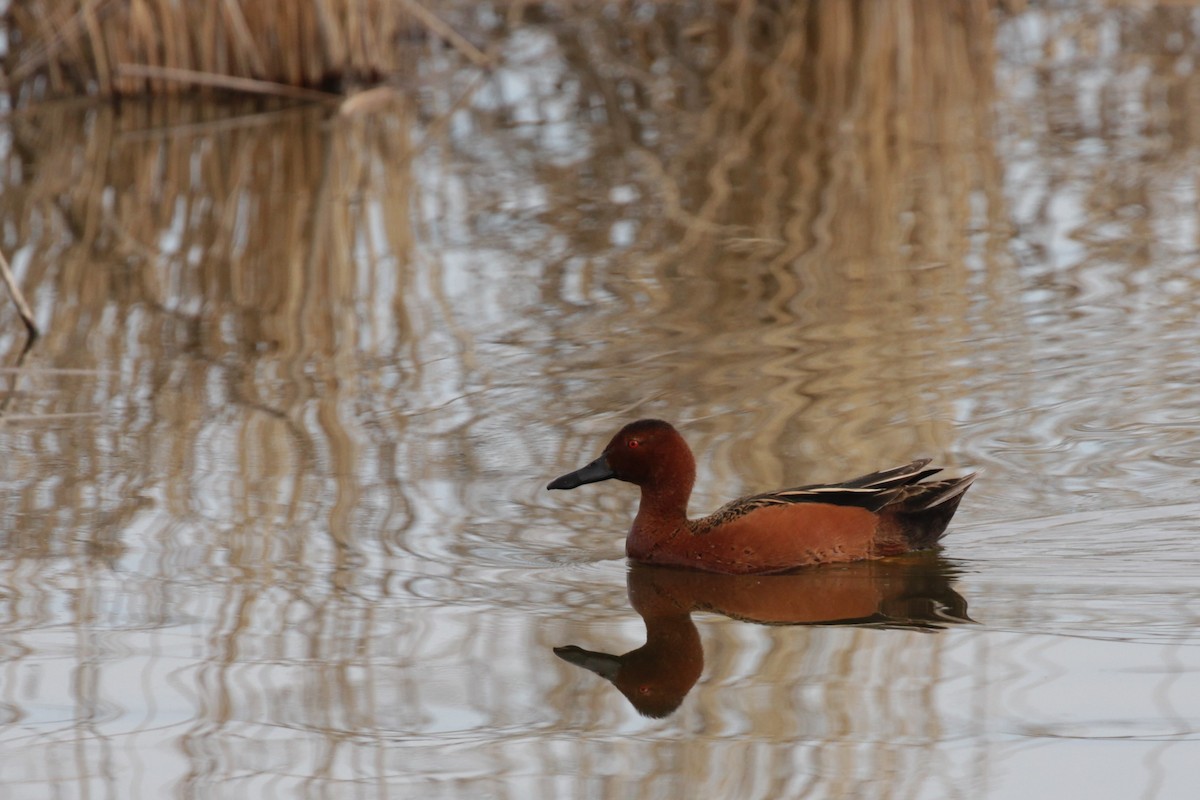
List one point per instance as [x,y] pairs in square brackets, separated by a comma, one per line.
[130,47]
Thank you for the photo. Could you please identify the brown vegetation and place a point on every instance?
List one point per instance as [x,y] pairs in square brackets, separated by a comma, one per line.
[125,47]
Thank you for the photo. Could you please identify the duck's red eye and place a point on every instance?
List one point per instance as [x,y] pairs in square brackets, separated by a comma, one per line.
[633,443]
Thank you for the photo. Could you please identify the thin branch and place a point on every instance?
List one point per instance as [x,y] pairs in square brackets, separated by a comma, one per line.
[18,298]
[234,84]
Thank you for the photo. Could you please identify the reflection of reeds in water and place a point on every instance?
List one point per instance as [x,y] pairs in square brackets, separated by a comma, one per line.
[251,243]
[208,283]
[819,176]
[1100,106]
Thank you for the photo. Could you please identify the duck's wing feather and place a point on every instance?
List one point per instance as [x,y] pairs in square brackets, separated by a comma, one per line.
[871,492]
[911,472]
[924,496]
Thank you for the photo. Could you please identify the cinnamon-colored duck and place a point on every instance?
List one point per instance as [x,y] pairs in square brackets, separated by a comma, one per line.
[882,514]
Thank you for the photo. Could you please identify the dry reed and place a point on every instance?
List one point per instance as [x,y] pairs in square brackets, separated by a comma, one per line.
[131,47]
[14,291]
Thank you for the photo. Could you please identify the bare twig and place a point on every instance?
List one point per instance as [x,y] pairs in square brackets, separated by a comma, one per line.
[247,85]
[18,298]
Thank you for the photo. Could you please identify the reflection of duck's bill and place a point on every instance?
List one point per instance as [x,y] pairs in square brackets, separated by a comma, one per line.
[603,664]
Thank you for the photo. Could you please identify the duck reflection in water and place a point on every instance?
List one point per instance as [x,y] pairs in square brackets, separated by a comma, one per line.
[911,591]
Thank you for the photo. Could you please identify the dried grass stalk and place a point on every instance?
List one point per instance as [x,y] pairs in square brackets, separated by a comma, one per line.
[15,291]
[87,46]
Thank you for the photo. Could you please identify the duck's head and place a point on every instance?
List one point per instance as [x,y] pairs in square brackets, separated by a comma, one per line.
[648,452]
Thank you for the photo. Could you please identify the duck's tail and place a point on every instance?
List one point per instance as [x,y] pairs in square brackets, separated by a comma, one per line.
[923,510]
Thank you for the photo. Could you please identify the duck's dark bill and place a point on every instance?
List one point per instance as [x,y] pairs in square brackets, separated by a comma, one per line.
[598,470]
[603,664]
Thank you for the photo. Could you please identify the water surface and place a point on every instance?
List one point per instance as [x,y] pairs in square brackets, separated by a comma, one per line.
[274,519]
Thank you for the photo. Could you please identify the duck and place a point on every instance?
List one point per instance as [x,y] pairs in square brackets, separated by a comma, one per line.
[885,513]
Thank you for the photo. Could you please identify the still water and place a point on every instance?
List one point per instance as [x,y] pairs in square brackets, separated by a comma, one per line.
[273,509]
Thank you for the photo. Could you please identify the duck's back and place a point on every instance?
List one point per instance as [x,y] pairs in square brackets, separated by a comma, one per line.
[880,514]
